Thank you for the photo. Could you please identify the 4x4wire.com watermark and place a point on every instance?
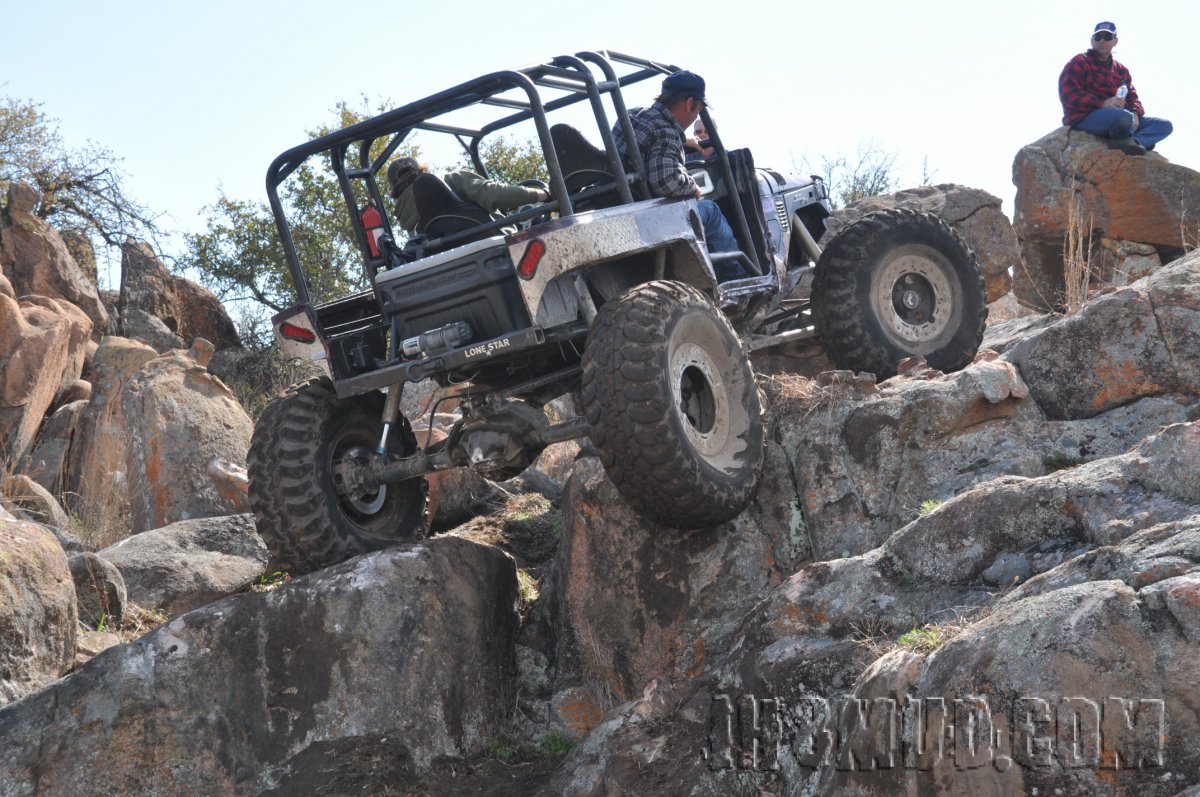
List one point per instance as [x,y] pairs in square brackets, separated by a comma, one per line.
[920,733]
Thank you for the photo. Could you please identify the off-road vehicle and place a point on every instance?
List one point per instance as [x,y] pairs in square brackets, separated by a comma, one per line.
[604,290]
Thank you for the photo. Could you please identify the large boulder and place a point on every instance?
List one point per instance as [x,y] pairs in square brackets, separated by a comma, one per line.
[190,563]
[1064,390]
[975,213]
[71,387]
[1104,663]
[99,590]
[33,501]
[165,310]
[375,667]
[37,612]
[179,418]
[36,260]
[634,601]
[96,476]
[790,707]
[1138,211]
[850,463]
[866,463]
[1139,341]
[46,464]
[143,445]
[41,349]
[937,566]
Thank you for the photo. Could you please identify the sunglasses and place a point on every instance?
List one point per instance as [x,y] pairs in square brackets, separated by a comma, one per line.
[1103,37]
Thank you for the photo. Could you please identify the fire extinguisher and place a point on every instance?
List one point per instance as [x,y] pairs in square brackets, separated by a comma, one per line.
[372,222]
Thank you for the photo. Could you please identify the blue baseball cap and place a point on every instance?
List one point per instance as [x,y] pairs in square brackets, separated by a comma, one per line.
[1108,26]
[685,84]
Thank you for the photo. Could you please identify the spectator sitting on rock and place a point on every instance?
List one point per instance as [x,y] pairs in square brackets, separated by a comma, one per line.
[1098,97]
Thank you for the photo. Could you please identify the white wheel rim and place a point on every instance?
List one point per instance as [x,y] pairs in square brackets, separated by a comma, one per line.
[912,296]
[691,364]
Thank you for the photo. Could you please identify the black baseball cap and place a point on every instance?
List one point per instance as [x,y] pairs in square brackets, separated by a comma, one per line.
[685,84]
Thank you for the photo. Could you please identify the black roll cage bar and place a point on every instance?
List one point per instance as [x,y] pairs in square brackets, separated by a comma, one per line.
[565,73]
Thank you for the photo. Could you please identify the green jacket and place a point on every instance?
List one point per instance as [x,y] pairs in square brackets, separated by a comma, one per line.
[406,211]
[492,195]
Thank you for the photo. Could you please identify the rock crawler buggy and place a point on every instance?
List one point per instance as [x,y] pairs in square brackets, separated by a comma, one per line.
[604,290]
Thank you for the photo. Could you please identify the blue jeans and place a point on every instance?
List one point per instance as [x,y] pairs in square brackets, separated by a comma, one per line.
[1118,123]
[719,238]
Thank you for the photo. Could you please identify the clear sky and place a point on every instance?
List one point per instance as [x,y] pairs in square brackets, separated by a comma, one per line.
[201,96]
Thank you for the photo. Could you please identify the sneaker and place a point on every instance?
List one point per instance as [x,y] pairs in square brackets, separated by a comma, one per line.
[1127,145]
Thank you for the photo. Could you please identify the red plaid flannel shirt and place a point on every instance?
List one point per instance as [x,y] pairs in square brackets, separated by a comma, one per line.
[1086,83]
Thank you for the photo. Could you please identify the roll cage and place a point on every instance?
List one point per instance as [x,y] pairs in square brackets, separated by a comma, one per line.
[518,96]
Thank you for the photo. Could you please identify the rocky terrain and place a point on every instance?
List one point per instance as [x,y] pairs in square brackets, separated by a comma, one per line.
[983,582]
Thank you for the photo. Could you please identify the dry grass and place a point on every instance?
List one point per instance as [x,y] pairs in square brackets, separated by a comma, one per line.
[1077,257]
[1189,237]
[876,638]
[1077,262]
[873,636]
[799,394]
[140,621]
[103,520]
[528,591]
[597,668]
[791,387]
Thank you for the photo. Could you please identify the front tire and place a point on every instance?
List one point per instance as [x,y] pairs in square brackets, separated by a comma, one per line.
[303,511]
[895,284]
[672,406]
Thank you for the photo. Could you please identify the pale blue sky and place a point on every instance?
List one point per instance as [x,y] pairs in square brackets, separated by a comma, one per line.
[200,96]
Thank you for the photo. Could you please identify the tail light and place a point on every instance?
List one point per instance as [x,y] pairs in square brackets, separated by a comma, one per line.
[529,261]
[300,334]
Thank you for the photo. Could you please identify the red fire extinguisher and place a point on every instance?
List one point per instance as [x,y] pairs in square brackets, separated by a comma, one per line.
[372,222]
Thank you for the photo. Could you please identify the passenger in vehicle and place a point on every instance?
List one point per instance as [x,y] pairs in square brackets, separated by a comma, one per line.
[400,176]
[659,131]
[494,196]
[696,146]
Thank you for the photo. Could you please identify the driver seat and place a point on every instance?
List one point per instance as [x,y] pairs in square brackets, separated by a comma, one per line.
[584,165]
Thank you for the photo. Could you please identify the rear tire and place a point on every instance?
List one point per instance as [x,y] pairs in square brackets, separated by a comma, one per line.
[672,406]
[305,519]
[895,284]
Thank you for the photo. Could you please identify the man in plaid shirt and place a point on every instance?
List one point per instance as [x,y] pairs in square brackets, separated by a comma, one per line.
[1098,97]
[659,131]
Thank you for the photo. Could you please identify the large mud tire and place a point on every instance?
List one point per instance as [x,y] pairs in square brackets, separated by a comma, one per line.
[895,284]
[302,516]
[672,406]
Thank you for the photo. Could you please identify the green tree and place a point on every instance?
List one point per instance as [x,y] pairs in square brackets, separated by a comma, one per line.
[240,257]
[83,191]
[511,161]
